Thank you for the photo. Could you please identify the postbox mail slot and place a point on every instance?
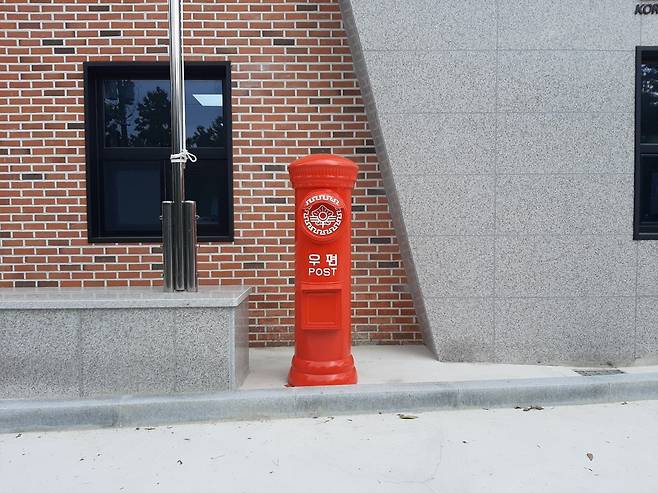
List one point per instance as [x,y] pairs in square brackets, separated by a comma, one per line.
[321,308]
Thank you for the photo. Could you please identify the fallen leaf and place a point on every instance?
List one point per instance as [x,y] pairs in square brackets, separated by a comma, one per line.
[590,456]
[407,416]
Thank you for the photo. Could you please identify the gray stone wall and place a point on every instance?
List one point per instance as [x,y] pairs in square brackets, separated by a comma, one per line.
[62,353]
[505,132]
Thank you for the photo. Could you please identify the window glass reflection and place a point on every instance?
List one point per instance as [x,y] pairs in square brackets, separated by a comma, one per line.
[204,123]
[649,101]
[137,113]
[204,185]
[132,197]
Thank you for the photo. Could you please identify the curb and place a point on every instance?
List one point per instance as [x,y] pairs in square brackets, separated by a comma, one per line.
[27,415]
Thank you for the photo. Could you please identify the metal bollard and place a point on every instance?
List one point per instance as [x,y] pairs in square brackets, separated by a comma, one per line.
[167,244]
[189,223]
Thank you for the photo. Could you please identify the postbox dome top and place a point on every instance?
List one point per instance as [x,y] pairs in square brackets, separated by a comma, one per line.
[324,170]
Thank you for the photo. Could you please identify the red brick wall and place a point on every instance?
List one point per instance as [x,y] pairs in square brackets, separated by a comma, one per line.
[294,93]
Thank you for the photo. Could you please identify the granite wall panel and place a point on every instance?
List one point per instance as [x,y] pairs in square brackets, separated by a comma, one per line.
[506,136]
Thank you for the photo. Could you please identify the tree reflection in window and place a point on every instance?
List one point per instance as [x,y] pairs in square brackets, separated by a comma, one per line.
[137,114]
[152,125]
[118,102]
[208,137]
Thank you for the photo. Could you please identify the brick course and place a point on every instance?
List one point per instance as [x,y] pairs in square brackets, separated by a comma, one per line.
[294,93]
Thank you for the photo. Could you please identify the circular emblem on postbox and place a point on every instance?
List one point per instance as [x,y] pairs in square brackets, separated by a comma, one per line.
[322,214]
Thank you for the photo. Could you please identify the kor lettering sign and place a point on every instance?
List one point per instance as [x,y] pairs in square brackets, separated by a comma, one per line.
[646,8]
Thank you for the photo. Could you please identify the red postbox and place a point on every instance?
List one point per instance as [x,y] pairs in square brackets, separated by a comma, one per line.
[323,318]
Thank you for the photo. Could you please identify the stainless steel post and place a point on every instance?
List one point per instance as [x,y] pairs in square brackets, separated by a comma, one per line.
[191,280]
[179,154]
[167,244]
[177,139]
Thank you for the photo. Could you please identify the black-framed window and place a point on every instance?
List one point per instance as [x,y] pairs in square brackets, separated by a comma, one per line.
[645,225]
[127,111]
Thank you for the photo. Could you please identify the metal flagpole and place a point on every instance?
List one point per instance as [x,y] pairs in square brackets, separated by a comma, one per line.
[178,219]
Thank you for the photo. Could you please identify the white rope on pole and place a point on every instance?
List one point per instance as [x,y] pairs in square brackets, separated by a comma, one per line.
[183,157]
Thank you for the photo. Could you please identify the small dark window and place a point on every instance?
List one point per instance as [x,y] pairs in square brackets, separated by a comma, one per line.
[645,225]
[128,146]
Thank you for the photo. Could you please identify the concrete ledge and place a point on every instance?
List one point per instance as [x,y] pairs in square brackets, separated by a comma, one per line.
[16,416]
[90,343]
[87,298]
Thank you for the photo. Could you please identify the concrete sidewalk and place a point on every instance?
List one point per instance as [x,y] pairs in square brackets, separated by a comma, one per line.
[503,450]
[390,378]
[268,367]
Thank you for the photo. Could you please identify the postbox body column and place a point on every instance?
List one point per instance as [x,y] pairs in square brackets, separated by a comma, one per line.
[323,321]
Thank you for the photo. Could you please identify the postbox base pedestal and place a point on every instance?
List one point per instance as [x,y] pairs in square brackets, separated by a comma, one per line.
[305,373]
